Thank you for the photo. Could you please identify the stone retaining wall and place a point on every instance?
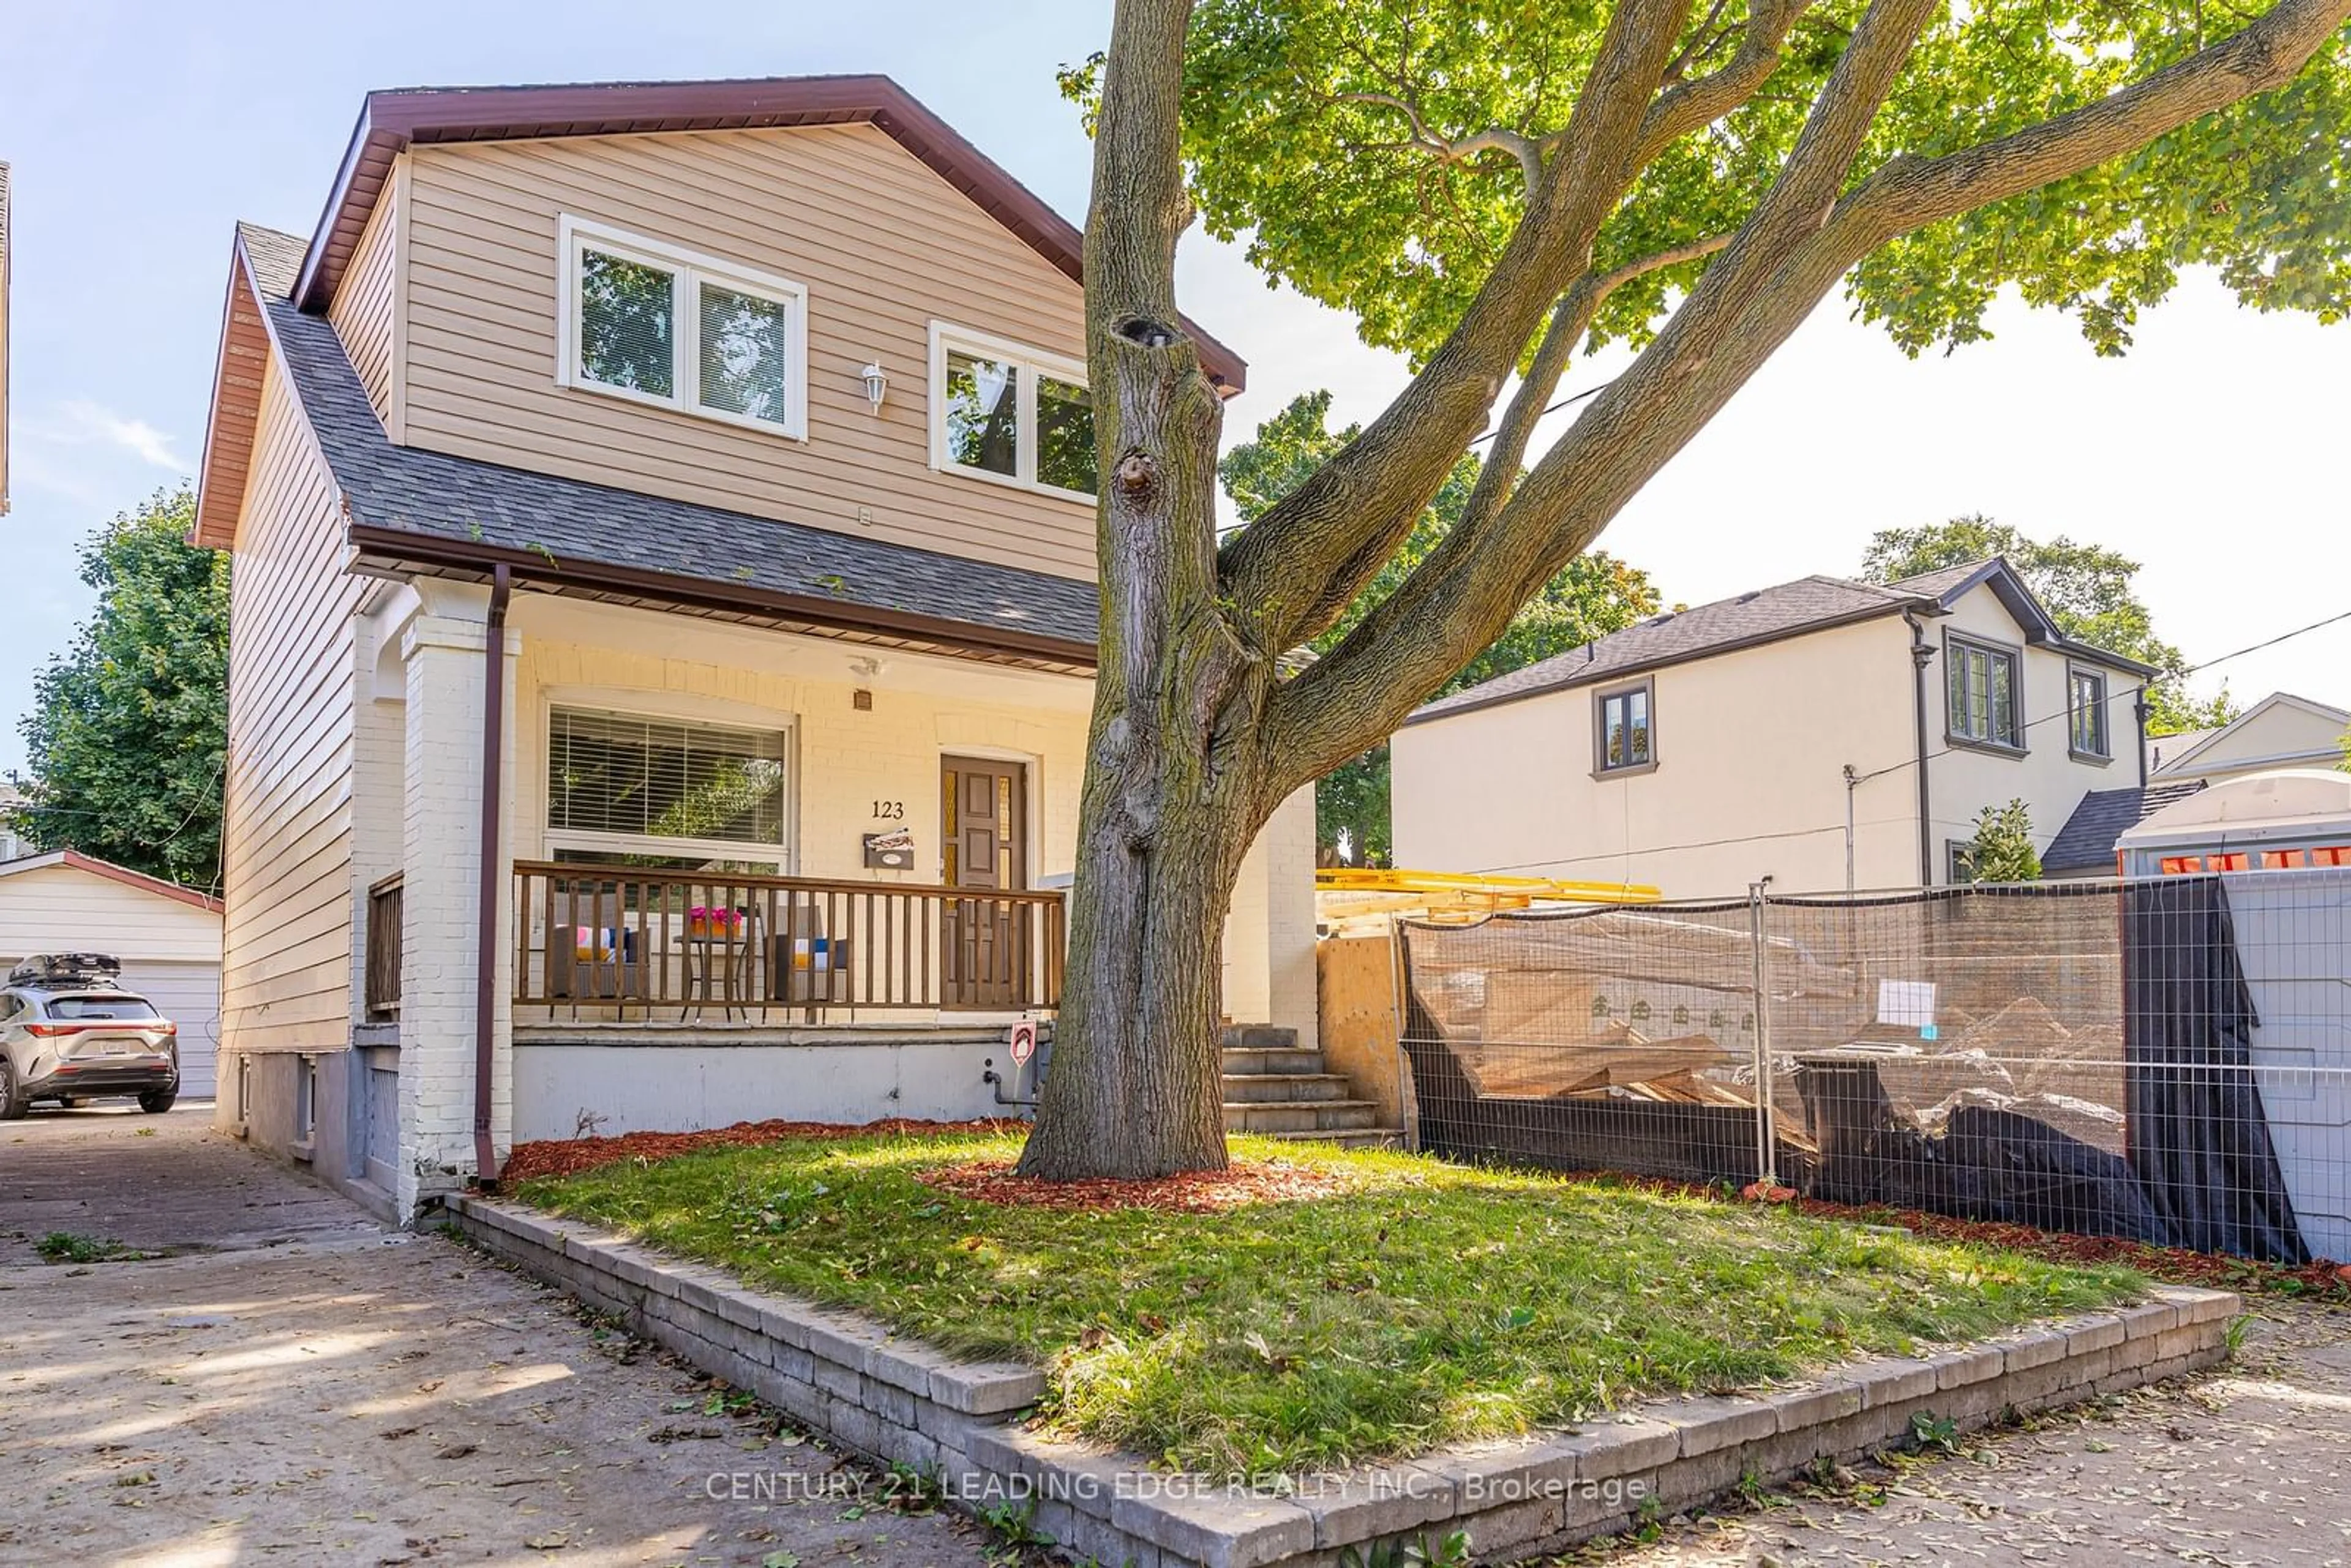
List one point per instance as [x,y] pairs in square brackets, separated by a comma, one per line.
[899,1403]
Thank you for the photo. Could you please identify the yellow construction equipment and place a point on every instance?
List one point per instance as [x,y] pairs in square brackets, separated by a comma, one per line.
[1347,894]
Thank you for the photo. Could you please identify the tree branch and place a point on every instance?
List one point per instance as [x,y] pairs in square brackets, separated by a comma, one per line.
[1686,105]
[1294,570]
[1450,607]
[1909,193]
[1527,150]
[1499,474]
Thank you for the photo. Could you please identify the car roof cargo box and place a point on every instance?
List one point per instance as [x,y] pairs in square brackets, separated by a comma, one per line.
[68,970]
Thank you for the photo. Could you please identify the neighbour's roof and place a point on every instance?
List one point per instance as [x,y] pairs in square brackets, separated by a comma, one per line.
[411,510]
[390,121]
[1794,609]
[77,861]
[2086,842]
[1765,615]
[1947,584]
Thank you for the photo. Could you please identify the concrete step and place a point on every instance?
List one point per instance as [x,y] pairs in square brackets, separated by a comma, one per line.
[1301,1116]
[1260,1036]
[1241,1059]
[1256,1088]
[1351,1137]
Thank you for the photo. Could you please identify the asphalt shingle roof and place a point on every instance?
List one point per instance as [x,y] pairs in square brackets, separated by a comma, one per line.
[2086,842]
[1765,615]
[436,497]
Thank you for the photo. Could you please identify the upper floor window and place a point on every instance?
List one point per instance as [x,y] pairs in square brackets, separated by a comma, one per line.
[649,321]
[1626,740]
[1983,678]
[2086,714]
[1008,414]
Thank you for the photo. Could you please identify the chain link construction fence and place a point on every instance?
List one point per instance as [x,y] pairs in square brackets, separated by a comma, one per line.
[2167,1060]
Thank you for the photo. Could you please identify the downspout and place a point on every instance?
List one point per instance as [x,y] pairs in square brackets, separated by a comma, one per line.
[485,961]
[2138,712]
[1921,654]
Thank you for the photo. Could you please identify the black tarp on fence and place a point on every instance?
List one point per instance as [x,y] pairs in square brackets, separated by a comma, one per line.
[2072,1057]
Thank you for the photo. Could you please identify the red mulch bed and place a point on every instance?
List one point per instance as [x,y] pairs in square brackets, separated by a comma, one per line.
[1238,1185]
[569,1157]
[2318,1281]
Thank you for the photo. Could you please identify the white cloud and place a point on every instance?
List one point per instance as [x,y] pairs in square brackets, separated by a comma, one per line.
[82,421]
[135,435]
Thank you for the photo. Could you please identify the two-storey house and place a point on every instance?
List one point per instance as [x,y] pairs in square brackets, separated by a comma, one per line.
[663,618]
[1826,734]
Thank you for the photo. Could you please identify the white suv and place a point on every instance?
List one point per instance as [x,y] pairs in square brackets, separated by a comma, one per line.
[70,1032]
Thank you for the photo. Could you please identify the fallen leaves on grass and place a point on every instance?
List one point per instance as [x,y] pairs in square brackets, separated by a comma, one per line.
[569,1156]
[1238,1185]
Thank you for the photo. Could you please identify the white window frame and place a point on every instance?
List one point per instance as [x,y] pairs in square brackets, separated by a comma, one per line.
[688,271]
[557,840]
[1031,363]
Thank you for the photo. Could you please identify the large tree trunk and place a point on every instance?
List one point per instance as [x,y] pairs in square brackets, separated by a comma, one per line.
[1173,790]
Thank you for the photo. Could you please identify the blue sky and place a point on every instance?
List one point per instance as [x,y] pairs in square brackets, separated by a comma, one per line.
[140,133]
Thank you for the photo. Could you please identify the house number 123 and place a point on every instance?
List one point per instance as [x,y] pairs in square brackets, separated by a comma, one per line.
[889,810]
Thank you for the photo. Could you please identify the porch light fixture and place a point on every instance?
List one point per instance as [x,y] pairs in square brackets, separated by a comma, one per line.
[877,385]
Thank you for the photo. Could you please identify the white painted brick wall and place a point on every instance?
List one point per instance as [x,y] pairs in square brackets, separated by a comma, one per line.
[441,835]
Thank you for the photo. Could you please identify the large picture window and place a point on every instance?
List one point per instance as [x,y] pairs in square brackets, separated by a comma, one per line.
[655,324]
[1011,414]
[1984,710]
[666,794]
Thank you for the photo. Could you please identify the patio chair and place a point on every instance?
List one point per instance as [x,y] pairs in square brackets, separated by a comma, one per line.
[596,957]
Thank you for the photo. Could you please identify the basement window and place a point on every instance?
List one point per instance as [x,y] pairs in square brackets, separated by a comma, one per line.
[651,323]
[1010,414]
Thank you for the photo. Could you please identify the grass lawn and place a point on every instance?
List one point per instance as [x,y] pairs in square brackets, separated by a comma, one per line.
[1431,1303]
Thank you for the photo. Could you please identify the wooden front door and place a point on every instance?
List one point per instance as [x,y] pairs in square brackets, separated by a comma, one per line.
[985,827]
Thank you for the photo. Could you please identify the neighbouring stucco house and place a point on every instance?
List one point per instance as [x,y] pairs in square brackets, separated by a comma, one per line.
[1823,733]
[664,622]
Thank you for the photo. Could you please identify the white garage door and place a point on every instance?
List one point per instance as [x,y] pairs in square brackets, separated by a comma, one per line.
[189,994]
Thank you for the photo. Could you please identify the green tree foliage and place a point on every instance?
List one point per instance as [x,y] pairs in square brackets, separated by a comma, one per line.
[1596,594]
[128,734]
[2085,589]
[1372,155]
[2001,850]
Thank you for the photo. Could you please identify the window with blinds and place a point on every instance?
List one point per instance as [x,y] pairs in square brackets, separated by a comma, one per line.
[668,788]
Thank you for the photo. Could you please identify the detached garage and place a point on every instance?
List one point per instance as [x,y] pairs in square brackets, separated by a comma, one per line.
[168,937]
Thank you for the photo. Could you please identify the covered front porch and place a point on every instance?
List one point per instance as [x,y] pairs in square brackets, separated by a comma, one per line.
[754,874]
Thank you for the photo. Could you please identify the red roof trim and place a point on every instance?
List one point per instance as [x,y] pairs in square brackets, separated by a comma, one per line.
[391,121]
[112,872]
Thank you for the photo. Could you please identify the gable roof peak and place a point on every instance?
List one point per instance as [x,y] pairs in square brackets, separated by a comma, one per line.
[393,120]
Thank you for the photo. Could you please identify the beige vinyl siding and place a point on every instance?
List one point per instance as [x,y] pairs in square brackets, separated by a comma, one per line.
[884,246]
[63,908]
[365,309]
[286,947]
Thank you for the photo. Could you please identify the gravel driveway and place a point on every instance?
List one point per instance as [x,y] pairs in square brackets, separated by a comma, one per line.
[291,1382]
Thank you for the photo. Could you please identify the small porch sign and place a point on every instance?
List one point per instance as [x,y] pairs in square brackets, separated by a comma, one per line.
[1021,1043]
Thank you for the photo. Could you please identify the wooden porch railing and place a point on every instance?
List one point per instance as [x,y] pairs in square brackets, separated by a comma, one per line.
[383,916]
[613,942]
